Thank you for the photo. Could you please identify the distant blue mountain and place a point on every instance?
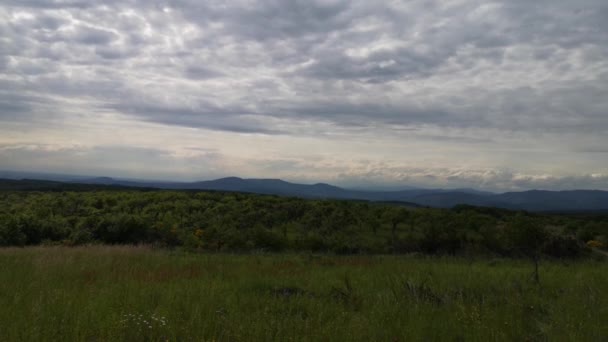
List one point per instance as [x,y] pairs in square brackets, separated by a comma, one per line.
[533,200]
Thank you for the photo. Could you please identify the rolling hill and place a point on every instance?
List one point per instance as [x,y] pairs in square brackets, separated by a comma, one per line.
[533,200]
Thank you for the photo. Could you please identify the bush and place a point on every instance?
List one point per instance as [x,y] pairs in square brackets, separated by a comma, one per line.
[311,241]
[11,233]
[408,243]
[267,239]
[121,229]
[562,247]
[80,237]
[233,240]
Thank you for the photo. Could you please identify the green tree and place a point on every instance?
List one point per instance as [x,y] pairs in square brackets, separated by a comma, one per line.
[527,238]
[394,216]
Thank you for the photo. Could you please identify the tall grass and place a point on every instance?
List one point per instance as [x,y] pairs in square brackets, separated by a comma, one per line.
[105,293]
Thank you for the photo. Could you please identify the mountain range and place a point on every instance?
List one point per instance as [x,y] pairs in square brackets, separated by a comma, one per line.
[532,200]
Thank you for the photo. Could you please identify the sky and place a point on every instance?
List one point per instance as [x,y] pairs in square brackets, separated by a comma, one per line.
[495,95]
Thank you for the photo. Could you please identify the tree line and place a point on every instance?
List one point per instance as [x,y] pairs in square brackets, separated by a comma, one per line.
[217,221]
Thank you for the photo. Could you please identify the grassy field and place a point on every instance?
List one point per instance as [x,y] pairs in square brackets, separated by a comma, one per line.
[140,294]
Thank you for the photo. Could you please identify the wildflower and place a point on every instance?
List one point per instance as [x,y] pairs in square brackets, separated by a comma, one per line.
[595,244]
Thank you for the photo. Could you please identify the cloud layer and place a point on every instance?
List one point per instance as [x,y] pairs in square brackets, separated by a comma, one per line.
[444,89]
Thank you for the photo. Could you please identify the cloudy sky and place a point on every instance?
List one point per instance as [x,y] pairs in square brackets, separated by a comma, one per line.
[498,95]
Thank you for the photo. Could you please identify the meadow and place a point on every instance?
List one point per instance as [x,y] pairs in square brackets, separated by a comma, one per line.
[140,293]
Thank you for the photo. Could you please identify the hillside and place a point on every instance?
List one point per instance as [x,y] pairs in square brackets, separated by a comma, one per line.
[533,200]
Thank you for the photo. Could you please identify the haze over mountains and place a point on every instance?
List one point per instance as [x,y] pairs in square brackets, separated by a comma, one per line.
[492,95]
[532,200]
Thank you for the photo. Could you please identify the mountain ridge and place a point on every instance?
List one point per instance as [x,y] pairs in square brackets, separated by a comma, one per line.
[530,200]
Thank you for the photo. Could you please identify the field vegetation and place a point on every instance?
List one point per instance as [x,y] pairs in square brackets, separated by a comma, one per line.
[146,265]
[105,293]
[245,222]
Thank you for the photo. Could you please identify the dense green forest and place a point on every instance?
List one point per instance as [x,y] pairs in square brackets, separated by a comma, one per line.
[216,221]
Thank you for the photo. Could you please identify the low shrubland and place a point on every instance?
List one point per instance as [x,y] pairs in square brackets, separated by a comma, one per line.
[234,222]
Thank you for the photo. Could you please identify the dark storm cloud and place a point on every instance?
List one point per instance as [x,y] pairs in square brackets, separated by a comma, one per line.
[360,114]
[93,36]
[271,19]
[13,108]
[49,4]
[379,67]
[114,53]
[201,73]
[16,106]
[204,116]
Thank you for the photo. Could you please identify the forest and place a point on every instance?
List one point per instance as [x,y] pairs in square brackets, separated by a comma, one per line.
[239,222]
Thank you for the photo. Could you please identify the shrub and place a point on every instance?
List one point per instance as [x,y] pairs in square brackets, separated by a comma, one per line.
[311,241]
[562,247]
[79,237]
[121,229]
[11,233]
[268,239]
